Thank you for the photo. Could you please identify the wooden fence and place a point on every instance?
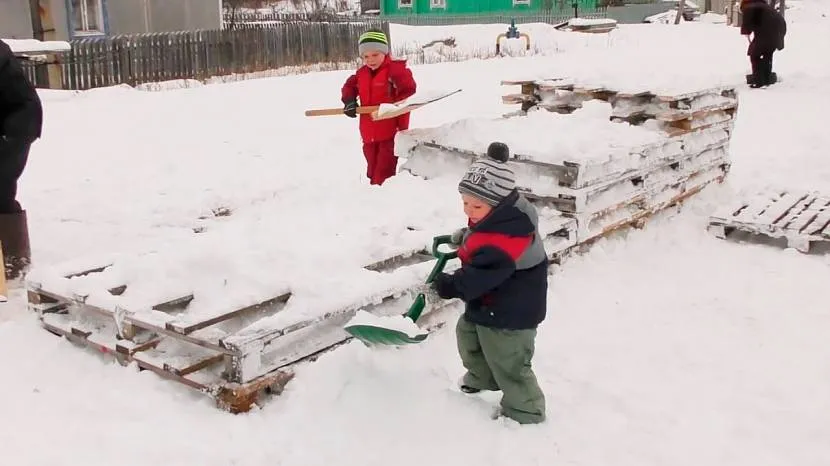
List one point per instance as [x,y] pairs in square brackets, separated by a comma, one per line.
[142,58]
[553,16]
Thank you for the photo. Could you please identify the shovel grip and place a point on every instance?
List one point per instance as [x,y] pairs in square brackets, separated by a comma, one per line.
[443,257]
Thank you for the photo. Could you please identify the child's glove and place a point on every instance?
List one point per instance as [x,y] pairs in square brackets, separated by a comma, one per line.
[457,236]
[443,285]
[350,109]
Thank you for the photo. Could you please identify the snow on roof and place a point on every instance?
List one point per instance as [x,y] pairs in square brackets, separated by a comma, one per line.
[34,45]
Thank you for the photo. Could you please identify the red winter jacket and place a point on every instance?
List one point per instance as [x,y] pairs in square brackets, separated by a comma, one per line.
[390,83]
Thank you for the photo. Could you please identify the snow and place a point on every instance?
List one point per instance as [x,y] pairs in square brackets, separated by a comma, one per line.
[35,45]
[420,97]
[591,21]
[661,346]
[585,135]
[399,323]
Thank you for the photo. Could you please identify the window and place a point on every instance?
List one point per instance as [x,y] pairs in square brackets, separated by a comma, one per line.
[437,3]
[87,17]
[404,3]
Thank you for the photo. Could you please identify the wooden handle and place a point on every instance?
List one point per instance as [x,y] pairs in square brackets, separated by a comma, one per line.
[339,111]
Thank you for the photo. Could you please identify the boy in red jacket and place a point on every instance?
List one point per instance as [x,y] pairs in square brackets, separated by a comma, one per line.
[381,80]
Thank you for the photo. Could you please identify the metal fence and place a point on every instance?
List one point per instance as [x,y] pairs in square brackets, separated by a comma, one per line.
[142,58]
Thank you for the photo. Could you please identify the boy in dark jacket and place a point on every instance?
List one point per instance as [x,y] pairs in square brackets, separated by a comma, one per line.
[768,29]
[381,80]
[504,282]
[21,119]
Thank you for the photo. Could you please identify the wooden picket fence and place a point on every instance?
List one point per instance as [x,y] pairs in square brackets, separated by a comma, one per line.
[144,58]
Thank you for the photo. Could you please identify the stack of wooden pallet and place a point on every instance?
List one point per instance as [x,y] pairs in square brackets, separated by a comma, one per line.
[674,113]
[689,151]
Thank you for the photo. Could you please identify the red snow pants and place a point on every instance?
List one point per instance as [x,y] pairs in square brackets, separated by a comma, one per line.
[381,162]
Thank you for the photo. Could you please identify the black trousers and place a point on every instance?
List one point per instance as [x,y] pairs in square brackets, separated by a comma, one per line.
[13,158]
[761,68]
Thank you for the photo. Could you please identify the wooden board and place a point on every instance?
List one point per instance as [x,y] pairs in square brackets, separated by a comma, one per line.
[802,218]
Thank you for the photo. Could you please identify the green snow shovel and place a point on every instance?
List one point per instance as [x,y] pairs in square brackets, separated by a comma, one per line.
[376,335]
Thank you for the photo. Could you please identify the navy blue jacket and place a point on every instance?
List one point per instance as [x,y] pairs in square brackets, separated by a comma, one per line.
[497,293]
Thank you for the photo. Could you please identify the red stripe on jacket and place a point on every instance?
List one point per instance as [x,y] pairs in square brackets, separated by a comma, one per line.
[514,246]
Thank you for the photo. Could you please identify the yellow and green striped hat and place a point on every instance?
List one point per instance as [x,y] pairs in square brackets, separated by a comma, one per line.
[373,40]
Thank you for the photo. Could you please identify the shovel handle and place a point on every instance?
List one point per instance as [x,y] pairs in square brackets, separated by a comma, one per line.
[443,257]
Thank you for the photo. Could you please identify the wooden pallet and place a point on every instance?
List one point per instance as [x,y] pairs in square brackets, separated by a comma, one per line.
[802,218]
[678,113]
[216,355]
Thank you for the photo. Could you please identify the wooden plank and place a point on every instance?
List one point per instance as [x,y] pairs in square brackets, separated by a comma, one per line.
[517,98]
[555,87]
[779,209]
[687,95]
[635,95]
[819,226]
[756,208]
[400,260]
[137,322]
[196,366]
[802,214]
[148,364]
[174,304]
[678,114]
[186,328]
[129,348]
[83,273]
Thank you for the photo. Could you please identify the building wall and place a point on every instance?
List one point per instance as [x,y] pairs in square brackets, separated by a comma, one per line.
[15,21]
[137,16]
[636,13]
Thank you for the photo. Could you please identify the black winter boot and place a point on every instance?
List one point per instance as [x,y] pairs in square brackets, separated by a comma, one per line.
[14,237]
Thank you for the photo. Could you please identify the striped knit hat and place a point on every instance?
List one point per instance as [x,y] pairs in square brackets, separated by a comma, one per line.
[373,40]
[489,178]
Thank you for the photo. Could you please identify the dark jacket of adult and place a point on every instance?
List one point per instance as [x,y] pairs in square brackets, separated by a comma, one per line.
[766,25]
[21,114]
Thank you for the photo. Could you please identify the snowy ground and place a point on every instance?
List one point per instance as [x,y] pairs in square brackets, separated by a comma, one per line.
[663,347]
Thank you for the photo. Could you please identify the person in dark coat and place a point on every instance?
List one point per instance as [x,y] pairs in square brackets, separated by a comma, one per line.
[768,29]
[21,120]
[503,280]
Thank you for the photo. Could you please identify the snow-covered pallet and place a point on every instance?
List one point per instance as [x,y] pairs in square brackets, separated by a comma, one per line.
[233,354]
[675,113]
[229,354]
[801,218]
[604,174]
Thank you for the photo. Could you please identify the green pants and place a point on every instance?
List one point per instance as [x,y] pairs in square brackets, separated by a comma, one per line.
[500,360]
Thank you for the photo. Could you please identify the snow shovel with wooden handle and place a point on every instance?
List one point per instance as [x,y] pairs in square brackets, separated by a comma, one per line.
[376,334]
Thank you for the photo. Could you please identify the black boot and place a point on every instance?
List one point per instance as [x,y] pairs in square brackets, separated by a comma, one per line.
[14,238]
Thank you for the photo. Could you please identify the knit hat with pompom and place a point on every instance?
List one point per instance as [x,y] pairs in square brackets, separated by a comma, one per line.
[489,178]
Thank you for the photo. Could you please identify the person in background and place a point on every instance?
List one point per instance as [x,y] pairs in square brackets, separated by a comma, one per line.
[21,120]
[381,80]
[768,28]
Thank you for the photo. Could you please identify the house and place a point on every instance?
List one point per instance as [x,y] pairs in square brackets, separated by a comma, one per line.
[75,19]
[480,7]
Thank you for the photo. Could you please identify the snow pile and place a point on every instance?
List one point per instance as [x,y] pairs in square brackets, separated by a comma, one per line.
[584,136]
[398,323]
[591,22]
